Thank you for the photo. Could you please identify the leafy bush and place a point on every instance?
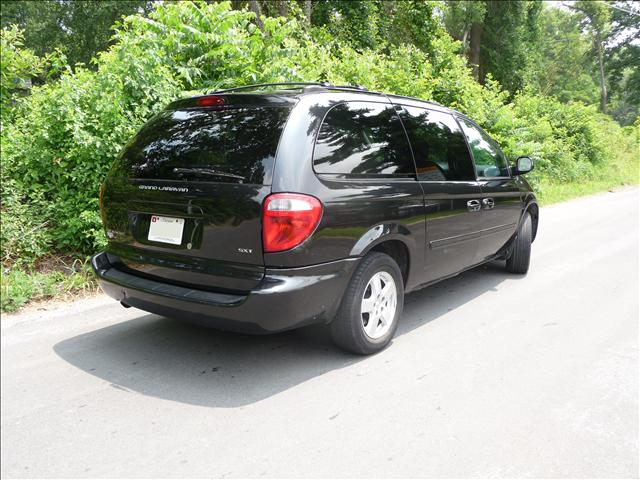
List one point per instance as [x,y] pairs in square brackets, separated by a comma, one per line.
[23,235]
[18,66]
[65,135]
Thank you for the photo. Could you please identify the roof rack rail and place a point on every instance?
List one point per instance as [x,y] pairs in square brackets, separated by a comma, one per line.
[326,85]
[433,102]
[360,88]
[279,84]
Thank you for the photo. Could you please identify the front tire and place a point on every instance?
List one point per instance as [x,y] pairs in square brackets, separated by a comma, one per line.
[371,306]
[518,261]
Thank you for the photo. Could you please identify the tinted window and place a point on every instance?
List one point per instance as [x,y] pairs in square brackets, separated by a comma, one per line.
[489,159]
[362,138]
[439,147]
[234,145]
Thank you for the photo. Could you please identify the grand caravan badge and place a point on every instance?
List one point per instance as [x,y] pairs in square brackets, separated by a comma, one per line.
[164,188]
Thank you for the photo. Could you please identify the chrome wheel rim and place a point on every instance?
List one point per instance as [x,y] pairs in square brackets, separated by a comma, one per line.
[378,306]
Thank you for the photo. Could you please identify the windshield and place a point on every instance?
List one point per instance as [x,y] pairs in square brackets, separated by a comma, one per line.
[228,145]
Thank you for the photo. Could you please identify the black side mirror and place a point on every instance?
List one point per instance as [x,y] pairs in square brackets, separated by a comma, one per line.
[523,165]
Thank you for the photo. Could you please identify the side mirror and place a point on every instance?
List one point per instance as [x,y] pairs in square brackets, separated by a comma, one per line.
[523,165]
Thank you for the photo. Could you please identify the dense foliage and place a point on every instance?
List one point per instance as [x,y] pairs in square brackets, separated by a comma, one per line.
[58,142]
[78,29]
[18,66]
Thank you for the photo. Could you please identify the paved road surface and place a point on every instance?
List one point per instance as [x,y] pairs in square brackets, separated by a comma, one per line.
[490,375]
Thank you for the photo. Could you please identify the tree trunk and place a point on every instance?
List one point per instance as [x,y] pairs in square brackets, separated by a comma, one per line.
[474,49]
[254,6]
[603,82]
[306,8]
[465,35]
[282,8]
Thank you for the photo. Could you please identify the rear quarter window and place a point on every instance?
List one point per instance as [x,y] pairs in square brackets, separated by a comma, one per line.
[227,145]
[362,138]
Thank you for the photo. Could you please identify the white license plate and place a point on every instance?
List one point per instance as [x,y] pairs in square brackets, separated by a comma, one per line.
[166,229]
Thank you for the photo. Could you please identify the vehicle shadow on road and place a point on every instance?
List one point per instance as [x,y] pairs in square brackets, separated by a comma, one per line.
[169,359]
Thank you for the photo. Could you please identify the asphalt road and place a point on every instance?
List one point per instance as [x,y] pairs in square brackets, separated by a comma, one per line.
[490,375]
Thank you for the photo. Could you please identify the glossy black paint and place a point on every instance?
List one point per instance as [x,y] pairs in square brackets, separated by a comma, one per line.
[502,205]
[219,218]
[433,224]
[286,298]
[452,229]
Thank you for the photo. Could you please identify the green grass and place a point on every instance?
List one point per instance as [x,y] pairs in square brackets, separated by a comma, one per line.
[625,170]
[550,193]
[19,286]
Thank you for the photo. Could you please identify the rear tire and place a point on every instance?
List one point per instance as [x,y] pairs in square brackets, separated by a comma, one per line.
[518,261]
[371,306]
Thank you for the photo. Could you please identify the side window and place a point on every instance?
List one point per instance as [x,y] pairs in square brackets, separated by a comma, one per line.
[362,138]
[439,147]
[489,159]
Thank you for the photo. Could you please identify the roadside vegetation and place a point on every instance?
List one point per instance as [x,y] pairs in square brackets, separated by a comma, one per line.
[560,85]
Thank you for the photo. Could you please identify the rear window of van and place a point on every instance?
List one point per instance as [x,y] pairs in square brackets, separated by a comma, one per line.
[221,145]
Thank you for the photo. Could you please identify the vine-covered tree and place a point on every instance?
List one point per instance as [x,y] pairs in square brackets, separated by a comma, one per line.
[564,67]
[623,61]
[596,19]
[463,20]
[502,37]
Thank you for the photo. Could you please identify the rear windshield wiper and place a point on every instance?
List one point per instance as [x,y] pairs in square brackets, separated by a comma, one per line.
[205,172]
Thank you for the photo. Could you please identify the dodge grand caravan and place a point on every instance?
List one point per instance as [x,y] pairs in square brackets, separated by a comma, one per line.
[264,208]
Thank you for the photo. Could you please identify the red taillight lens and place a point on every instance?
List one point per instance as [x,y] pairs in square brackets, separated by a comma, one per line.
[288,219]
[210,101]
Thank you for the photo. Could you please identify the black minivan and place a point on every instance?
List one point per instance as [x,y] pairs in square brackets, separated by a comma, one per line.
[265,208]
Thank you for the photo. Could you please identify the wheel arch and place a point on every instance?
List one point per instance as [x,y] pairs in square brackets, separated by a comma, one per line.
[397,249]
[534,210]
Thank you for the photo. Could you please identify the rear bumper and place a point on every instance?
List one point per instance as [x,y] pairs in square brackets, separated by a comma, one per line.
[284,299]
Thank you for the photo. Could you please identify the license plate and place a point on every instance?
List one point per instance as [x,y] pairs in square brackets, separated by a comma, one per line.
[166,229]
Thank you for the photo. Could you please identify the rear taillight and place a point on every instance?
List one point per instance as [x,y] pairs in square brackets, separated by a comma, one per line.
[288,219]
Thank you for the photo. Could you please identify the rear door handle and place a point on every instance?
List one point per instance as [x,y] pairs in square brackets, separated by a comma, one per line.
[488,203]
[473,205]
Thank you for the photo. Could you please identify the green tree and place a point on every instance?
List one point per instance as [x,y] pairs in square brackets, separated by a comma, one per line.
[80,29]
[353,22]
[510,33]
[623,61]
[563,67]
[596,18]
[463,20]
[502,37]
[410,22]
